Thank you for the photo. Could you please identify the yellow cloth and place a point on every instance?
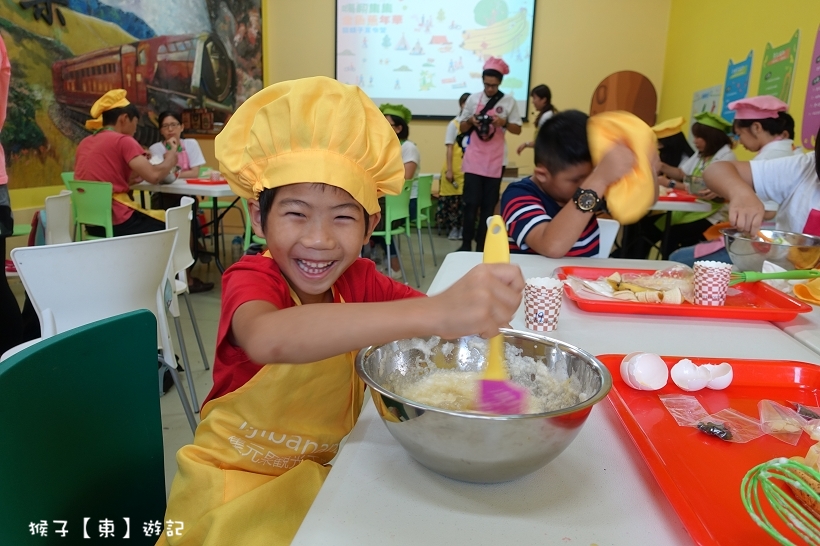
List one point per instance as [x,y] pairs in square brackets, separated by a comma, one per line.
[669,127]
[630,198]
[311,130]
[260,454]
[808,291]
[446,188]
[112,99]
[126,200]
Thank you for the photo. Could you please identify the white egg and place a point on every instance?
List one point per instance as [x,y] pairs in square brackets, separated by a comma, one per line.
[720,375]
[647,372]
[625,369]
[688,376]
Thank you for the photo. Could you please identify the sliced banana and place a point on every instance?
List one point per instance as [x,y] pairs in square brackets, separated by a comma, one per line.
[672,296]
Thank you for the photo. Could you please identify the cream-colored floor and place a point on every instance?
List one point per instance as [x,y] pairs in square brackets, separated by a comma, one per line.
[176,432]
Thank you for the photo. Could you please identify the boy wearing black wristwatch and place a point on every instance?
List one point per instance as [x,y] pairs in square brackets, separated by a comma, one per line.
[552,213]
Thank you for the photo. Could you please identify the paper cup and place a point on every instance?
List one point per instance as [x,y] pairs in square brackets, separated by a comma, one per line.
[542,303]
[711,282]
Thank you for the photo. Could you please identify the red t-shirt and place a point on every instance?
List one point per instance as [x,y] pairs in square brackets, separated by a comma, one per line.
[104,157]
[258,278]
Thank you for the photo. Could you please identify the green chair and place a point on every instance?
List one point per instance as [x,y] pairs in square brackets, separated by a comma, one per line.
[250,236]
[397,208]
[82,433]
[67,177]
[91,202]
[424,214]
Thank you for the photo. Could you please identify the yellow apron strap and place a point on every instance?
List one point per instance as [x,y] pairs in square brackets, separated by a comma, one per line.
[126,200]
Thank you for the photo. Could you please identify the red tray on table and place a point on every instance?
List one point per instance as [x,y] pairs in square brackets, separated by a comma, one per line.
[754,301]
[678,196]
[206,181]
[700,474]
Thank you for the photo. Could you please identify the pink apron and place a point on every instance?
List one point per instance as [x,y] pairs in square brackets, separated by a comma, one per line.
[486,157]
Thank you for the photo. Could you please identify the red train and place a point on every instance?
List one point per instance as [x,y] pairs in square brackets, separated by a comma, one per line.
[166,72]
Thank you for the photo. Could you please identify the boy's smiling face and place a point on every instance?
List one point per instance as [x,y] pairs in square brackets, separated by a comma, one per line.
[314,232]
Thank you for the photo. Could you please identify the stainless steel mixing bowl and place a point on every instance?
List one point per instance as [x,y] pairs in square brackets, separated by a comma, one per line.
[748,252]
[478,447]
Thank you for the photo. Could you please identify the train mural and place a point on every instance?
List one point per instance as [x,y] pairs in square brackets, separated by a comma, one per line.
[160,73]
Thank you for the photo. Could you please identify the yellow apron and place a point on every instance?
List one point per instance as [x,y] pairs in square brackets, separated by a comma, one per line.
[260,454]
[126,200]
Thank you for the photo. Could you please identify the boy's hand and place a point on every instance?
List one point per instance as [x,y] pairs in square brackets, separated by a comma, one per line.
[481,302]
[615,164]
[746,213]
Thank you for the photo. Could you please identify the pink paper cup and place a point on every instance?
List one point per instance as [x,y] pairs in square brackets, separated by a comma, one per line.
[711,282]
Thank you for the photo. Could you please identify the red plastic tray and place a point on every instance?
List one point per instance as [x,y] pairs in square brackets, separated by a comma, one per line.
[700,474]
[205,181]
[756,300]
[680,197]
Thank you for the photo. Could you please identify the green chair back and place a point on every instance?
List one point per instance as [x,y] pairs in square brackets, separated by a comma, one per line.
[424,199]
[250,237]
[396,207]
[82,433]
[91,202]
[67,177]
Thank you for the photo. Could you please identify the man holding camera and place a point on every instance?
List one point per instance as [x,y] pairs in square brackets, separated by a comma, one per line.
[486,116]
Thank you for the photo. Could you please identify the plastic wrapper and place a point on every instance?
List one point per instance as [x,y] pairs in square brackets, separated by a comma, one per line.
[677,280]
[812,428]
[783,423]
[678,276]
[685,409]
[742,427]
[806,412]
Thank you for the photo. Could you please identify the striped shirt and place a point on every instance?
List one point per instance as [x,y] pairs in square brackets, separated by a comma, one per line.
[524,205]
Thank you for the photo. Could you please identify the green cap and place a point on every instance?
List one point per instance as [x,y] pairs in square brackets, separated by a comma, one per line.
[713,120]
[398,110]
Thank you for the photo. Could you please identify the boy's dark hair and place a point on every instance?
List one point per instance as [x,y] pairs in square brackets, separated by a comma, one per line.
[788,124]
[268,195]
[493,73]
[404,130]
[110,117]
[715,138]
[773,126]
[562,141]
[675,147]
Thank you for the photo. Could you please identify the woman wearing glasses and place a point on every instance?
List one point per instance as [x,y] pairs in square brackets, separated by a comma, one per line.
[189,155]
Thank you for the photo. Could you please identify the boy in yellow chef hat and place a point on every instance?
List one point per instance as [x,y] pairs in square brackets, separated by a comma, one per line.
[312,156]
[111,155]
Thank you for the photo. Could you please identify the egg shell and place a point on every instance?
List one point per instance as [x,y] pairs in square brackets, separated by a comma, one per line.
[720,375]
[688,376]
[648,371]
[625,369]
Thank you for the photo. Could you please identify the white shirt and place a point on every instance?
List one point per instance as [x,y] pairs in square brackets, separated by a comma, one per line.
[451,133]
[792,182]
[775,149]
[507,104]
[410,154]
[544,117]
[690,163]
[191,146]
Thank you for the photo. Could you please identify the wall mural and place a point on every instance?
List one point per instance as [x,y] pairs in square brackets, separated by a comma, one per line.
[184,54]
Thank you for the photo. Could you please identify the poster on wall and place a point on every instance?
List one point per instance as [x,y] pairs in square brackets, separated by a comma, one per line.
[737,84]
[193,54]
[425,53]
[777,70]
[705,100]
[811,110]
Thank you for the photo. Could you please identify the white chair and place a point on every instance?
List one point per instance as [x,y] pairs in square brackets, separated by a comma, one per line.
[606,238]
[180,218]
[58,224]
[74,284]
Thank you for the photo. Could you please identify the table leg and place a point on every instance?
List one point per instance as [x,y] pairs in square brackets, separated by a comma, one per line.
[215,213]
[667,231]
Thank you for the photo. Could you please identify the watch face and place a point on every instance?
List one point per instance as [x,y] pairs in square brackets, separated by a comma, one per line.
[587,201]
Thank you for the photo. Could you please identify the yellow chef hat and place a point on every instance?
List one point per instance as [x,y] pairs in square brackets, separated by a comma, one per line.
[311,130]
[112,99]
[669,127]
[630,198]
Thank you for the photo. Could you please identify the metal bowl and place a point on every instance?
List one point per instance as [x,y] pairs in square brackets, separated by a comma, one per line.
[748,252]
[477,447]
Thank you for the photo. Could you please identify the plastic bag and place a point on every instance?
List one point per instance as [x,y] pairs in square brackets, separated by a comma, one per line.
[685,409]
[677,276]
[742,427]
[783,423]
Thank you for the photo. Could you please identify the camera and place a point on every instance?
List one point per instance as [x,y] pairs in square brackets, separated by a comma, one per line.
[485,129]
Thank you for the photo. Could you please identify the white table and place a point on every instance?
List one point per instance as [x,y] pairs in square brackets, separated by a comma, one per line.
[805,328]
[214,191]
[598,491]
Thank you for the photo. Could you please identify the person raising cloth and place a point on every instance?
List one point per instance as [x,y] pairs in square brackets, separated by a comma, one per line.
[112,155]
[487,116]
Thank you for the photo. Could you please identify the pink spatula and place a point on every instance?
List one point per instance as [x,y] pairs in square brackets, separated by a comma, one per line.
[496,393]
